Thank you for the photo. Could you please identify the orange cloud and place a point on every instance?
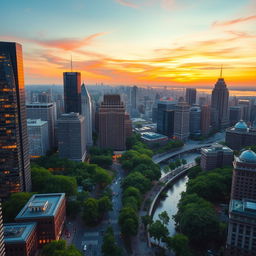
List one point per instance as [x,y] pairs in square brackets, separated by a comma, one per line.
[235,21]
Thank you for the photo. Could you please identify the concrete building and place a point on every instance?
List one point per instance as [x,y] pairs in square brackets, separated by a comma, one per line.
[181,121]
[191,96]
[245,109]
[14,149]
[152,138]
[240,136]
[72,137]
[195,121]
[86,111]
[244,176]
[165,116]
[113,123]
[216,156]
[241,240]
[134,101]
[219,105]
[49,212]
[235,114]
[38,135]
[72,92]
[45,112]
[205,120]
[20,239]
[2,247]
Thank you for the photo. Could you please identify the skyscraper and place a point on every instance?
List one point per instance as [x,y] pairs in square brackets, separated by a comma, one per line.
[2,250]
[195,121]
[113,123]
[191,96]
[235,114]
[86,111]
[181,121]
[71,136]
[72,92]
[134,101]
[205,120]
[219,105]
[14,150]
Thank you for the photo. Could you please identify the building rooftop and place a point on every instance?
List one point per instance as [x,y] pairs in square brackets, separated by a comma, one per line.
[248,156]
[243,206]
[39,105]
[41,205]
[35,122]
[151,136]
[18,232]
[216,148]
[241,126]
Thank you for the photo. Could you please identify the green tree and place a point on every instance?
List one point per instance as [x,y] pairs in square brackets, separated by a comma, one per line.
[73,208]
[146,220]
[172,165]
[158,231]
[105,204]
[179,243]
[91,211]
[164,217]
[102,177]
[183,161]
[103,161]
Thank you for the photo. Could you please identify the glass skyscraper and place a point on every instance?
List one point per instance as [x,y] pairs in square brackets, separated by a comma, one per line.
[15,173]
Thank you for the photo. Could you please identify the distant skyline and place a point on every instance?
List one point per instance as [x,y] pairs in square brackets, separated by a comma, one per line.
[142,42]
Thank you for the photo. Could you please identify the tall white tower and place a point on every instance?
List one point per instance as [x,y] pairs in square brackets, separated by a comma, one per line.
[86,111]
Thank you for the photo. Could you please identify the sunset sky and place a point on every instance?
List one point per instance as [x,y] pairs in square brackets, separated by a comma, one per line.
[142,42]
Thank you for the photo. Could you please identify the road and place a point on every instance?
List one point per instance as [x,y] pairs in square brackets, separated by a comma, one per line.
[92,237]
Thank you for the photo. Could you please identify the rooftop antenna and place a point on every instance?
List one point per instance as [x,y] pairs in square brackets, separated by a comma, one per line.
[221,71]
[71,63]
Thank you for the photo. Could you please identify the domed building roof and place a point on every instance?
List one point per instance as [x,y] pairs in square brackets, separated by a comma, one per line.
[241,125]
[248,156]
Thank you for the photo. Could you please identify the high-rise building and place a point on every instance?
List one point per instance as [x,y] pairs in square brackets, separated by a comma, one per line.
[38,135]
[71,136]
[216,156]
[2,249]
[240,136]
[205,120]
[195,121]
[181,121]
[219,105]
[165,116]
[245,109]
[244,176]
[45,112]
[72,92]
[86,111]
[191,96]
[241,240]
[113,123]
[134,101]
[235,114]
[15,173]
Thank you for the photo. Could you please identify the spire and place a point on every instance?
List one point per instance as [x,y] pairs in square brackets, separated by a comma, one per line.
[71,63]
[221,71]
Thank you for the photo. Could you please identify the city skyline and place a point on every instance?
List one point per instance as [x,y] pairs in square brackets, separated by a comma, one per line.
[125,42]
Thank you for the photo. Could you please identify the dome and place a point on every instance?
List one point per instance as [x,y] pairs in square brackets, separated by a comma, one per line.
[248,156]
[241,125]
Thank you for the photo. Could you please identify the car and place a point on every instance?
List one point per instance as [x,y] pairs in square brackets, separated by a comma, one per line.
[85,247]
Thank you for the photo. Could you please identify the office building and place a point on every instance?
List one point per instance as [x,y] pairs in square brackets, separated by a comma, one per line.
[216,156]
[134,101]
[191,96]
[195,121]
[219,105]
[235,114]
[71,136]
[165,116]
[72,92]
[2,247]
[181,121]
[86,111]
[38,135]
[205,120]
[244,176]
[152,138]
[241,240]
[202,101]
[240,136]
[245,109]
[14,148]
[45,112]
[49,212]
[113,123]
[20,239]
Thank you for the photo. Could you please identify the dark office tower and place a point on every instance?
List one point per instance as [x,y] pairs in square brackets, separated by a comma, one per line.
[235,114]
[112,123]
[72,92]
[134,102]
[195,121]
[202,101]
[191,96]
[245,109]
[2,250]
[244,176]
[219,105]
[14,150]
[205,120]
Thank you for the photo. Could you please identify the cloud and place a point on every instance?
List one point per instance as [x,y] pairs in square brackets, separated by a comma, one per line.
[235,21]
[127,3]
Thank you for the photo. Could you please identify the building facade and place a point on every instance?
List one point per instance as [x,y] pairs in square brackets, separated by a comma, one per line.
[240,136]
[14,149]
[72,92]
[191,96]
[235,114]
[38,135]
[216,156]
[20,239]
[205,120]
[195,121]
[86,111]
[49,212]
[72,137]
[2,247]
